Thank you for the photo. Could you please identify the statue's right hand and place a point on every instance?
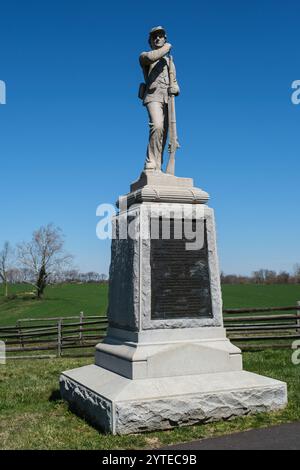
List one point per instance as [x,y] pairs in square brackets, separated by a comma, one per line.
[169,46]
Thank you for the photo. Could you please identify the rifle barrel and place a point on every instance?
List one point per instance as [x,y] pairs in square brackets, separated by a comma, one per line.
[173,143]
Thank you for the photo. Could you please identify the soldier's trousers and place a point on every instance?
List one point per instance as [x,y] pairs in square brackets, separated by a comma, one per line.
[158,122]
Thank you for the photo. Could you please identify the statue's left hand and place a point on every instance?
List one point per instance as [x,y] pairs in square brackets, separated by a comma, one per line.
[174,90]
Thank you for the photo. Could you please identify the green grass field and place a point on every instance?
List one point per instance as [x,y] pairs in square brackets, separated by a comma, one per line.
[71,299]
[33,416]
[59,301]
[277,295]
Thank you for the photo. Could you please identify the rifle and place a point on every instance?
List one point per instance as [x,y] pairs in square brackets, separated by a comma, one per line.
[173,140]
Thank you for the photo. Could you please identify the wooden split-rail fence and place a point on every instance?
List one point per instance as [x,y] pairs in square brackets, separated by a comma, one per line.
[263,328]
[76,336]
[32,337]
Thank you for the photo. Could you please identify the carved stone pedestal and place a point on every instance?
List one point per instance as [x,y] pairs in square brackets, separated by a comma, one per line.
[166,360]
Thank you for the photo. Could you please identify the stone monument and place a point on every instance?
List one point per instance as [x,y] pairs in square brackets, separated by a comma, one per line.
[166,360]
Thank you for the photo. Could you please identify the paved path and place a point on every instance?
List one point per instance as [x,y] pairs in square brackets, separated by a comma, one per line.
[283,437]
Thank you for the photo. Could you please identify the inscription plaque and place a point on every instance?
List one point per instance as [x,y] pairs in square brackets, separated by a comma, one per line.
[180,280]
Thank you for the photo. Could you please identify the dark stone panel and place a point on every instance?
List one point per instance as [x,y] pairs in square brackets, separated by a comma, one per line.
[180,281]
[121,276]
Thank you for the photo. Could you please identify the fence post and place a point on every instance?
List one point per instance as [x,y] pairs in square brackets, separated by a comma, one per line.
[298,319]
[20,334]
[81,327]
[59,338]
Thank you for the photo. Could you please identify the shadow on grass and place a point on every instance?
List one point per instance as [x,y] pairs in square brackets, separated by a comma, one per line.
[20,297]
[55,396]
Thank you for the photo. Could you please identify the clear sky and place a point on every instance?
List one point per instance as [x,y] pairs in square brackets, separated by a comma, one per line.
[73,132]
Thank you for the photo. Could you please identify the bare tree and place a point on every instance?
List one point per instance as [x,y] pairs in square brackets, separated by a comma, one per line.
[14,276]
[70,276]
[259,276]
[5,265]
[297,273]
[270,276]
[43,256]
[283,277]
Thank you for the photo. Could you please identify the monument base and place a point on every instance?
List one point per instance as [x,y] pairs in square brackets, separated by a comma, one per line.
[118,405]
[165,361]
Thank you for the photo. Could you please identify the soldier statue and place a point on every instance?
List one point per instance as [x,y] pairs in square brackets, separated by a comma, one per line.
[158,94]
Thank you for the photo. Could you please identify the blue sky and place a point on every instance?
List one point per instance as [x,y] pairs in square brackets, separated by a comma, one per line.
[73,132]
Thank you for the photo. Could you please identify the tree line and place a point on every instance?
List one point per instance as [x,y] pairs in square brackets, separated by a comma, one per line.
[264,276]
[40,262]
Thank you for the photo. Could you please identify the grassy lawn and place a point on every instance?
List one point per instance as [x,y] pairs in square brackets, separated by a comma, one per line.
[71,299]
[277,295]
[32,415]
[60,301]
